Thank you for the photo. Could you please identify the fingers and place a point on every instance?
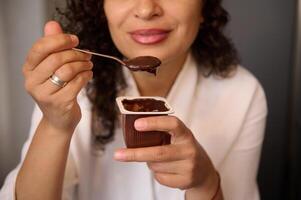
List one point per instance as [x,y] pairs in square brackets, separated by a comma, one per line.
[154,154]
[69,70]
[46,46]
[174,167]
[169,124]
[66,73]
[173,180]
[54,62]
[71,90]
[40,77]
[52,28]
[66,94]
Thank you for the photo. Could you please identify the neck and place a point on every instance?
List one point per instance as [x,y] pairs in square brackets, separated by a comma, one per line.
[159,85]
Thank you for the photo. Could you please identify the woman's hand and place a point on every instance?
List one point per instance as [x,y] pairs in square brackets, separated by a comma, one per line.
[183,164]
[50,55]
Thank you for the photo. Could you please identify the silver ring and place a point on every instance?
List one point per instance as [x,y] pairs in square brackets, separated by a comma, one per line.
[57,81]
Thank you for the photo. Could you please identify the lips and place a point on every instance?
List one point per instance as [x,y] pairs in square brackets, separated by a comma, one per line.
[149,36]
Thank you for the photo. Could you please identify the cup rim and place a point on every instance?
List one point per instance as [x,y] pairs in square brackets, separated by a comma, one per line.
[127,112]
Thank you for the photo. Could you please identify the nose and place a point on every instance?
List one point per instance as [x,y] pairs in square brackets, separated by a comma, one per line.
[147,9]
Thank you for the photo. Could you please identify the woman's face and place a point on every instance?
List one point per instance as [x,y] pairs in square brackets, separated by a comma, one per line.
[162,28]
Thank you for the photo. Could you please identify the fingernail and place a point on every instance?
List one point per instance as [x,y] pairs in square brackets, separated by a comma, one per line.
[74,39]
[140,124]
[119,155]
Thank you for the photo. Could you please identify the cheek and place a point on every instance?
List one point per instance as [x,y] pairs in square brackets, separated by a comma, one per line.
[116,12]
[189,18]
[194,18]
[188,29]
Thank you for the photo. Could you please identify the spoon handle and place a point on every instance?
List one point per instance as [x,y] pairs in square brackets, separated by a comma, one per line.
[99,54]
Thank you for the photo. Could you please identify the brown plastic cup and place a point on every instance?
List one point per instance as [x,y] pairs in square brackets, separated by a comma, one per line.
[132,108]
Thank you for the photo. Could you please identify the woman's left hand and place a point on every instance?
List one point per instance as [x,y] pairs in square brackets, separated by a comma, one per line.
[183,164]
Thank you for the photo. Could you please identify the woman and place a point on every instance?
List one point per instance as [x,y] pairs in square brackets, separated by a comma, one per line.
[220,108]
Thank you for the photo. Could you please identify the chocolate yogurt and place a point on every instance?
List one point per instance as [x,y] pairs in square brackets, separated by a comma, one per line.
[132,108]
[143,63]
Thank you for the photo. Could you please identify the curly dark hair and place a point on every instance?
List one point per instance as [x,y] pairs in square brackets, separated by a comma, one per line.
[86,18]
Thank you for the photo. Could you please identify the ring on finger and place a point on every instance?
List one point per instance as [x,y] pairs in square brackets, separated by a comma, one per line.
[57,81]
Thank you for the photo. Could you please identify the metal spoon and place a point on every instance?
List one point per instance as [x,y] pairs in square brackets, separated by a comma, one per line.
[141,63]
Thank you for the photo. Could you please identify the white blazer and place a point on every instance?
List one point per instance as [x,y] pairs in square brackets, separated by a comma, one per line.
[226,116]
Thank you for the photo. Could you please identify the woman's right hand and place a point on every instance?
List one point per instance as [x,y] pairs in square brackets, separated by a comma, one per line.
[50,55]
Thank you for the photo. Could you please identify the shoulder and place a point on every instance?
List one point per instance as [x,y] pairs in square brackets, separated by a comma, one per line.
[242,93]
[239,79]
[233,95]
[243,77]
[241,83]
[244,84]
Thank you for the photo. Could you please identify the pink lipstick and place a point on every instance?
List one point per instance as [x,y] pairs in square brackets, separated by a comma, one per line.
[149,36]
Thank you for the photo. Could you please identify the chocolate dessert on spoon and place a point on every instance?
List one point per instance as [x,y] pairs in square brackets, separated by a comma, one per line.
[141,63]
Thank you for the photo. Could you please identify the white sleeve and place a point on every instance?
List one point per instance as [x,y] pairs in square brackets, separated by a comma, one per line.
[7,192]
[239,169]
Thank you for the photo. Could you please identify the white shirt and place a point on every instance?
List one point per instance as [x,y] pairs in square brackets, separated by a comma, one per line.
[227,117]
